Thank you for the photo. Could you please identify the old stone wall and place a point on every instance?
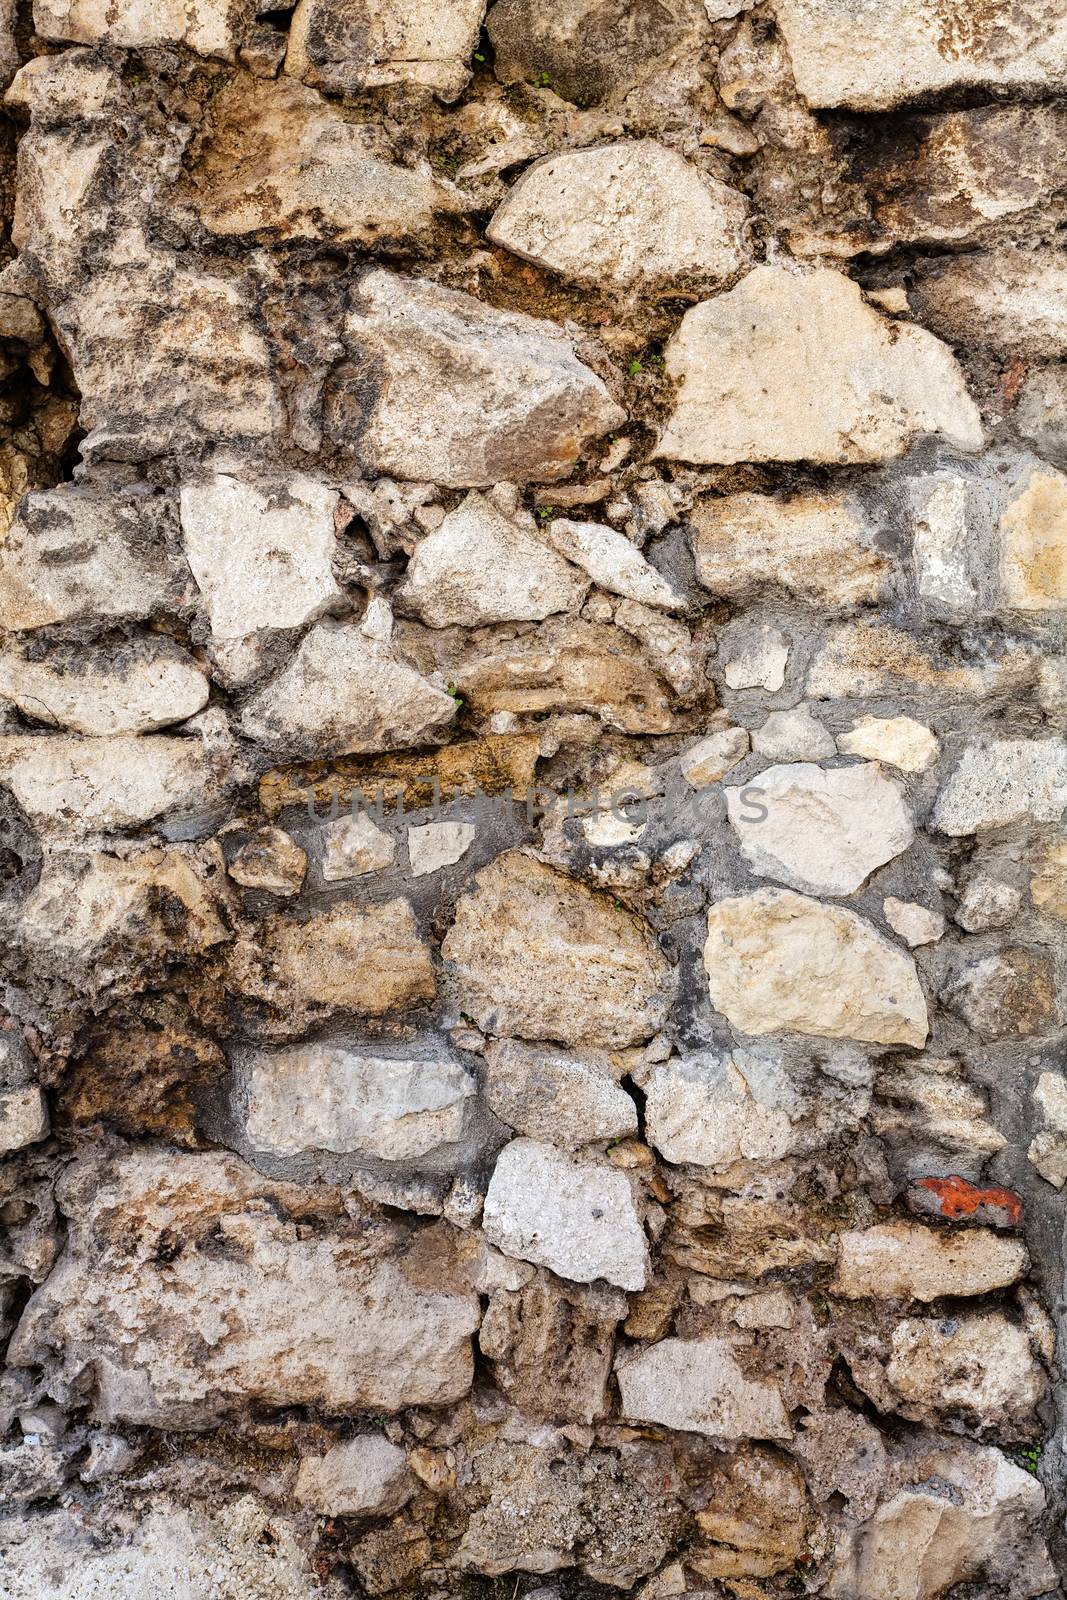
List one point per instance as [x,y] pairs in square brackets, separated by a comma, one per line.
[532,773]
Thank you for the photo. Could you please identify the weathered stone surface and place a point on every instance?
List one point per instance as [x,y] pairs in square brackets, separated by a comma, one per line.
[824,829]
[711,1111]
[1034,545]
[627,214]
[588,49]
[557,1096]
[536,955]
[873,57]
[1010,299]
[481,566]
[987,902]
[343,692]
[23,1117]
[698,1386]
[817,546]
[210,30]
[757,659]
[712,758]
[794,735]
[361,45]
[523,406]
[779,962]
[797,367]
[1010,994]
[612,562]
[437,845]
[132,690]
[270,860]
[859,659]
[332,1097]
[907,1261]
[757,1517]
[1048,1150]
[1003,781]
[915,924]
[1048,884]
[353,846]
[574,1217]
[283,162]
[330,1318]
[552,1345]
[364,1476]
[1039,415]
[899,742]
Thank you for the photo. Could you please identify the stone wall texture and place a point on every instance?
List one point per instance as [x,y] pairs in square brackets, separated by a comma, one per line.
[533,879]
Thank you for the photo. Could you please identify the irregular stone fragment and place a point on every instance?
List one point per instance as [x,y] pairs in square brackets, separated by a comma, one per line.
[758,661]
[757,1517]
[270,860]
[211,29]
[859,659]
[536,955]
[75,553]
[1039,415]
[462,394]
[824,829]
[557,1096]
[363,1477]
[670,645]
[1011,299]
[437,845]
[915,924]
[1048,885]
[977,1367]
[712,1111]
[1048,1150]
[481,566]
[588,49]
[875,56]
[779,962]
[941,549]
[626,214]
[574,1217]
[927,1102]
[797,367]
[345,45]
[1003,781]
[551,1345]
[907,1261]
[817,546]
[283,161]
[1034,545]
[354,845]
[712,758]
[330,1097]
[23,1117]
[698,1386]
[136,689]
[899,742]
[987,902]
[68,785]
[241,1305]
[795,734]
[344,692]
[1008,995]
[612,562]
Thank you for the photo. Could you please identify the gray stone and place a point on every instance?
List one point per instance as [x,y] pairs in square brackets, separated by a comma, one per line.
[757,660]
[1048,1149]
[23,1117]
[364,1476]
[557,1096]
[1002,781]
[698,1386]
[354,44]
[712,1111]
[794,735]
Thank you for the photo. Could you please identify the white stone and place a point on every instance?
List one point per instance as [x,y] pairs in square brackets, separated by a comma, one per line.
[711,1111]
[817,546]
[1003,781]
[797,367]
[697,1386]
[779,962]
[438,844]
[261,553]
[759,662]
[343,693]
[794,735]
[712,758]
[978,1365]
[23,1117]
[327,1097]
[574,1217]
[353,846]
[632,213]
[873,54]
[210,29]
[1048,1150]
[364,1476]
[669,643]
[612,562]
[941,543]
[900,742]
[481,566]
[915,924]
[825,829]
[137,691]
[346,45]
[464,395]
[908,1261]
[557,1096]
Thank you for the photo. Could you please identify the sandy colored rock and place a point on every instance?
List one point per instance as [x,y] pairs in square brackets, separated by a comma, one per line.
[1002,781]
[757,1517]
[907,1261]
[523,407]
[916,924]
[354,845]
[532,954]
[1048,884]
[481,566]
[612,562]
[279,1319]
[1010,994]
[364,1476]
[1011,299]
[711,1111]
[899,742]
[23,1117]
[627,214]
[360,44]
[574,1217]
[1034,545]
[329,1097]
[557,1096]
[1048,1150]
[979,1366]
[817,546]
[797,367]
[211,30]
[779,962]
[857,660]
[712,758]
[106,692]
[589,50]
[698,1386]
[551,1344]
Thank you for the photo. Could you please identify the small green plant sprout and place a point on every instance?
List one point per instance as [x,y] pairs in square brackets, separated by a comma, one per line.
[1029,1458]
[457,697]
[542,80]
[546,513]
[636,366]
[478,56]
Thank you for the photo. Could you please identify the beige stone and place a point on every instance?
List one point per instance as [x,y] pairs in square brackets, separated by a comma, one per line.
[1048,883]
[860,659]
[916,924]
[712,1111]
[1033,532]
[1048,1149]
[211,30]
[698,1386]
[907,1261]
[270,860]
[900,742]
[23,1117]
[437,845]
[612,562]
[817,546]
[1010,298]
[979,1366]
[364,44]
[558,1096]
[1001,781]
[354,845]
[106,692]
[364,1476]
[712,758]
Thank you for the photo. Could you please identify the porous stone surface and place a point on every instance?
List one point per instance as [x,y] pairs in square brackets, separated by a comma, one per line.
[533,799]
